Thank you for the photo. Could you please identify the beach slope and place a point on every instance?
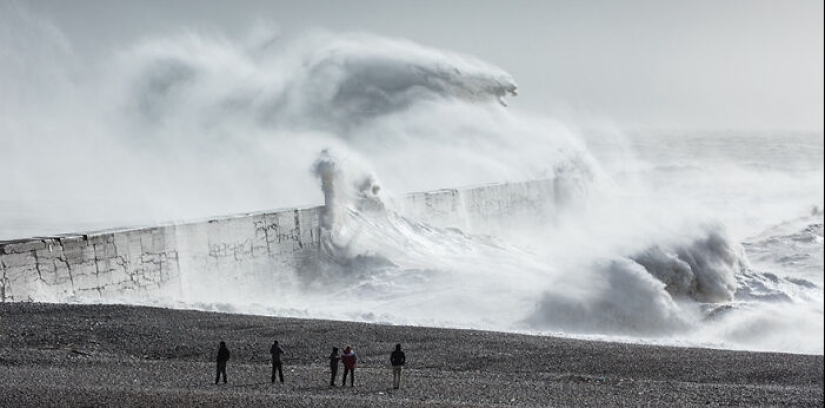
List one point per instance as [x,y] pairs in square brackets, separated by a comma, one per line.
[127,356]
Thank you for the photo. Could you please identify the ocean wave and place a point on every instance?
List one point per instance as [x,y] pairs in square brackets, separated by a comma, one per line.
[317,81]
[703,270]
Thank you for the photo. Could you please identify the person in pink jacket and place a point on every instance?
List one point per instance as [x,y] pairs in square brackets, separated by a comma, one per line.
[349,359]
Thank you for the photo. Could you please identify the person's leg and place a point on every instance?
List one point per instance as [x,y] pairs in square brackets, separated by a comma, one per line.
[334,374]
[222,370]
[396,377]
[274,367]
[217,373]
[344,379]
[281,371]
[352,378]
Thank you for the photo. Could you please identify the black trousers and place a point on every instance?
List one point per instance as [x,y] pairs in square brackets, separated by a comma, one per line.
[277,366]
[221,370]
[351,378]
[334,369]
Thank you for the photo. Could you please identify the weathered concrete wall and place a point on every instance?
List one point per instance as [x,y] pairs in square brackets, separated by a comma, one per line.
[254,254]
[486,208]
[93,265]
[133,263]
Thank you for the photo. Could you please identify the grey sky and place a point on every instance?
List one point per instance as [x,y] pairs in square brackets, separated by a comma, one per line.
[749,64]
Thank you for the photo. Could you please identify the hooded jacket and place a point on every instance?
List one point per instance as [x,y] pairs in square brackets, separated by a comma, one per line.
[334,358]
[223,354]
[349,359]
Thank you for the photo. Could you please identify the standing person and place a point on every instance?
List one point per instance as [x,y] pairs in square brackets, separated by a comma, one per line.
[334,358]
[223,357]
[397,360]
[349,360]
[276,352]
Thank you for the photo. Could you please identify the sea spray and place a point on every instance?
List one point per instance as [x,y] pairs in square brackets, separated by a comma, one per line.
[704,270]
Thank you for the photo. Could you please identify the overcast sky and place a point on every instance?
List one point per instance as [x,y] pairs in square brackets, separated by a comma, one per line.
[718,64]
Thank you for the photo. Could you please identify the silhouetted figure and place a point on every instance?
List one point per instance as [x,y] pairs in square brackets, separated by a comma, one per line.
[397,359]
[223,357]
[276,352]
[334,358]
[349,360]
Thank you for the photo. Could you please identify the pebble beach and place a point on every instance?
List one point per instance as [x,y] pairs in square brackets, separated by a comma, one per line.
[59,355]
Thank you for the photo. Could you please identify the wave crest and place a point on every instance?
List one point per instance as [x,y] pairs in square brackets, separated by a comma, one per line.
[317,81]
[704,269]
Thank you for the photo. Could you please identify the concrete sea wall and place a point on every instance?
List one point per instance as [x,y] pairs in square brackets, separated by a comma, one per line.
[254,253]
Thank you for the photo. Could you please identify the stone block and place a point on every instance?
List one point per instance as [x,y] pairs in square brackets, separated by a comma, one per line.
[19,260]
[112,277]
[97,239]
[134,244]
[45,267]
[49,252]
[73,242]
[259,249]
[286,221]
[22,247]
[86,268]
[85,281]
[58,271]
[91,293]
[104,250]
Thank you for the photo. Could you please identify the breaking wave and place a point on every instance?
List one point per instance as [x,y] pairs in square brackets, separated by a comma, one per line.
[319,81]
[696,287]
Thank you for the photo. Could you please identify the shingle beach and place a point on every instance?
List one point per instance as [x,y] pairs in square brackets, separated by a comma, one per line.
[126,356]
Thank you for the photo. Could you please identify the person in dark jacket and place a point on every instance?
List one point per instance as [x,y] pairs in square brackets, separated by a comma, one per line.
[223,357]
[349,360]
[397,359]
[276,352]
[334,358]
